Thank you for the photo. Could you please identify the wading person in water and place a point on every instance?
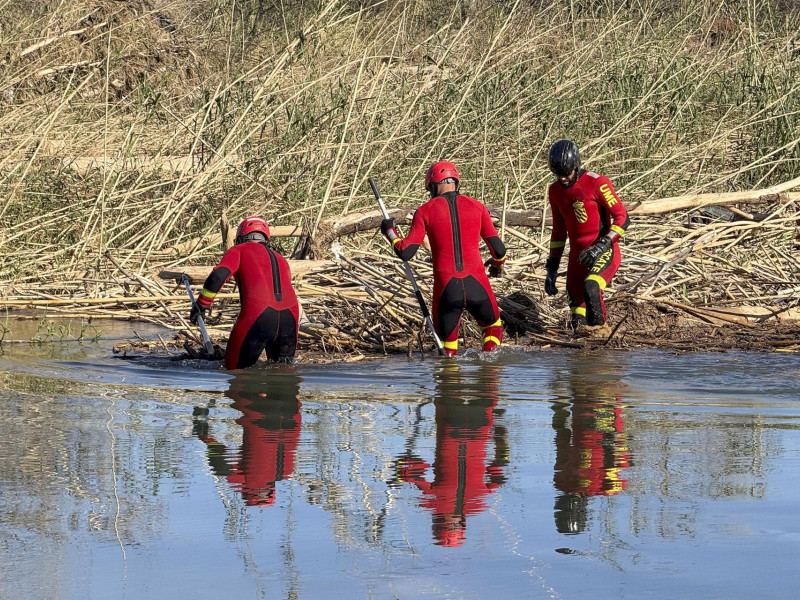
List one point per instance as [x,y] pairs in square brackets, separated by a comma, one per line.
[455,224]
[586,209]
[269,316]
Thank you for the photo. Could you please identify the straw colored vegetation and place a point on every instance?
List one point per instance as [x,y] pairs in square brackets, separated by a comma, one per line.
[132,131]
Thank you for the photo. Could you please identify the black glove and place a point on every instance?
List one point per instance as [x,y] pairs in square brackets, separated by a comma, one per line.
[386,225]
[197,311]
[495,268]
[588,257]
[550,280]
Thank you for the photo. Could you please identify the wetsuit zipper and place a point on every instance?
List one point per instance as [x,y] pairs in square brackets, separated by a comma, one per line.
[276,276]
[452,200]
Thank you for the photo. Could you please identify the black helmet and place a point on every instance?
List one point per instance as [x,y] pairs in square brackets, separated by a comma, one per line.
[564,158]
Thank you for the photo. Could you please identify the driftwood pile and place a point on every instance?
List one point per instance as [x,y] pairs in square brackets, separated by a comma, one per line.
[713,271]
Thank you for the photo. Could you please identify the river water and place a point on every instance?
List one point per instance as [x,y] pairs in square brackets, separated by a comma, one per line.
[535,474]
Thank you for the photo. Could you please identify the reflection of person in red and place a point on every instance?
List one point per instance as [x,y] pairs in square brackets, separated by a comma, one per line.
[463,474]
[591,452]
[270,432]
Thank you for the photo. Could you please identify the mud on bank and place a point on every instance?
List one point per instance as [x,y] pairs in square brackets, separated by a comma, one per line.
[632,325]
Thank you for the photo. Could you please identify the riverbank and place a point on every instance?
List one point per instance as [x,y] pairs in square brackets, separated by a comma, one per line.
[633,324]
[363,306]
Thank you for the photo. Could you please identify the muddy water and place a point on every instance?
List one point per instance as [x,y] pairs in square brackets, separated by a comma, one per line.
[540,474]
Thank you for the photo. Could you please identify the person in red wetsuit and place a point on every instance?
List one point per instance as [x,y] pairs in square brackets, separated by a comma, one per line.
[269,317]
[455,224]
[586,209]
[463,472]
[270,424]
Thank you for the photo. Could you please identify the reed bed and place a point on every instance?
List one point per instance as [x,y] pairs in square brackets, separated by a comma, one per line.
[131,131]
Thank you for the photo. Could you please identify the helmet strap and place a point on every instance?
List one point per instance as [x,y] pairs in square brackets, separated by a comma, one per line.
[255,236]
[433,186]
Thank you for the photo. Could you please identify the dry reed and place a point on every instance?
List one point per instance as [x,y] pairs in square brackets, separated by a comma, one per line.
[130,129]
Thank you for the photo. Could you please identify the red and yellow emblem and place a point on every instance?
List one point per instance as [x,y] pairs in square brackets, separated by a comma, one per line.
[580,212]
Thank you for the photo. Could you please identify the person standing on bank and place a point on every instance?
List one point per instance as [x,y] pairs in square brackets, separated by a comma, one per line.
[455,224]
[588,211]
[270,314]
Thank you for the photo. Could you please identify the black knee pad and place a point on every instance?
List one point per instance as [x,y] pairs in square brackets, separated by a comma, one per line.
[594,305]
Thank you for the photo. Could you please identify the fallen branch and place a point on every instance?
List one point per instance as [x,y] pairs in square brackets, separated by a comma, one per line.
[197,274]
[665,205]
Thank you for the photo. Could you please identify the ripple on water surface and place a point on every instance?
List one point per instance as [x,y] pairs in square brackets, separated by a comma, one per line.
[642,471]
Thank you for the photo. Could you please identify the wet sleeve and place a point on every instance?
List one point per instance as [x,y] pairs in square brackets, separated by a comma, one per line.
[489,234]
[619,216]
[558,236]
[407,247]
[227,267]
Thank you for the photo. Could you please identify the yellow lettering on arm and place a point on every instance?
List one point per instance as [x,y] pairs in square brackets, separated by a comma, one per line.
[608,194]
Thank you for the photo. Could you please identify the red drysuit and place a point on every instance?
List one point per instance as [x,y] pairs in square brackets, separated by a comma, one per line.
[586,211]
[269,316]
[455,224]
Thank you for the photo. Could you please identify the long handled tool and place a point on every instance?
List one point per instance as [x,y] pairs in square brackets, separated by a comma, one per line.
[206,340]
[409,273]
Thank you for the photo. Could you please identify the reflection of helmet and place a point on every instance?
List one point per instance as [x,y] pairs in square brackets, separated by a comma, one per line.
[252,228]
[439,172]
[448,530]
[571,513]
[564,158]
[261,497]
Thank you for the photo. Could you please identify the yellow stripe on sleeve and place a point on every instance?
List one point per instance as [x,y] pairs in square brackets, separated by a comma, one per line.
[618,230]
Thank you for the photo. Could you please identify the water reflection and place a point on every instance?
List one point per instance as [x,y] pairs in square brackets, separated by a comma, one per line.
[464,472]
[270,424]
[591,447]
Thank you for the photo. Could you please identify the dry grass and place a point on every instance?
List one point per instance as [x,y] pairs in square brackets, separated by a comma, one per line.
[132,127]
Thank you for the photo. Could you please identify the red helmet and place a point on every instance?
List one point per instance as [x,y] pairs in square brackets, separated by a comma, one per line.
[249,226]
[259,497]
[439,172]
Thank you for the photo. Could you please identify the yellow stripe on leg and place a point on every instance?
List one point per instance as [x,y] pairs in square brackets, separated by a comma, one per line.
[497,323]
[600,281]
[491,338]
